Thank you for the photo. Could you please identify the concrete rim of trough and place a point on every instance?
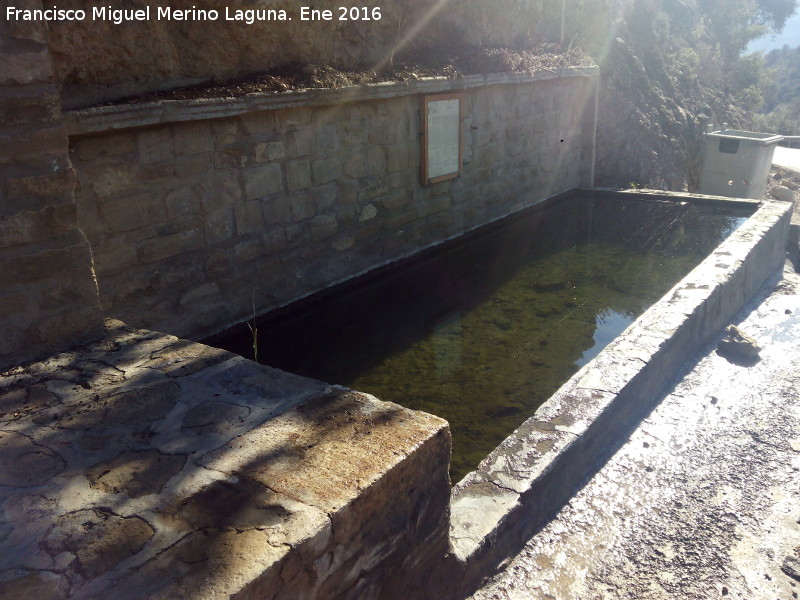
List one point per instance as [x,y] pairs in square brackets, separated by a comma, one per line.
[533,472]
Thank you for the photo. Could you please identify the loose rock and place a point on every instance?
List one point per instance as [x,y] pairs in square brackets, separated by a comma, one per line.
[736,346]
[782,193]
[791,566]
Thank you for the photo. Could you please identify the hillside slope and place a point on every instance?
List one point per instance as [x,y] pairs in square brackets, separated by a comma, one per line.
[781,110]
[668,66]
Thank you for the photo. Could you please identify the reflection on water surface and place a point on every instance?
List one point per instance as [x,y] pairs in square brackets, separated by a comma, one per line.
[483,331]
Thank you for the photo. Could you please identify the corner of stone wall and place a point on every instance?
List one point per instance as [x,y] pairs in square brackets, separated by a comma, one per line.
[48,295]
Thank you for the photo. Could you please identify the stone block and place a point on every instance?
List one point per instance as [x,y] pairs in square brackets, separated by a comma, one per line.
[218,262]
[303,206]
[192,165]
[155,145]
[32,31]
[296,235]
[60,257]
[348,215]
[230,158]
[373,494]
[368,213]
[404,132]
[221,189]
[347,192]
[29,105]
[382,133]
[248,250]
[295,116]
[262,122]
[202,296]
[376,160]
[298,175]
[167,246]
[326,196]
[372,189]
[35,226]
[434,205]
[397,219]
[219,225]
[274,241]
[326,140]
[14,304]
[325,171]
[356,165]
[248,217]
[299,142]
[105,145]
[156,172]
[397,158]
[226,131]
[268,151]
[123,215]
[193,138]
[262,180]
[32,144]
[354,133]
[404,180]
[25,67]
[276,209]
[184,201]
[343,243]
[114,258]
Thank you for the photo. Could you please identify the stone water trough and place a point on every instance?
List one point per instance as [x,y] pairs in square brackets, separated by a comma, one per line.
[160,468]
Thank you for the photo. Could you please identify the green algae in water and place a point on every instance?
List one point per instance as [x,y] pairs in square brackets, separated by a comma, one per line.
[483,331]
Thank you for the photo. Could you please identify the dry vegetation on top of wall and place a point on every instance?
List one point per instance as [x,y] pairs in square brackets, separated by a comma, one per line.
[667,68]
[443,62]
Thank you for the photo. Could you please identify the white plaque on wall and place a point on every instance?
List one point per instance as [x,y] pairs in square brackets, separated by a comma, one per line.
[441,137]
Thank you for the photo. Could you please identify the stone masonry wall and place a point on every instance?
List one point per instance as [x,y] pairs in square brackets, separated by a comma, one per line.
[192,223]
[48,296]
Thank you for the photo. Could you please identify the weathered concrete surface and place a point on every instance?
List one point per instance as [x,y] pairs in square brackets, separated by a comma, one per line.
[160,468]
[702,500]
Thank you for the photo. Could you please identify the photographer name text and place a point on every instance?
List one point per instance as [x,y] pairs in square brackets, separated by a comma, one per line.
[119,16]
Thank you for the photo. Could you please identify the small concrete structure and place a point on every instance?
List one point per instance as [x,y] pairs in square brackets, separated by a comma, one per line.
[737,163]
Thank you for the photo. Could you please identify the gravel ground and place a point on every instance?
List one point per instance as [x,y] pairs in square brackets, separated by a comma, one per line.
[703,501]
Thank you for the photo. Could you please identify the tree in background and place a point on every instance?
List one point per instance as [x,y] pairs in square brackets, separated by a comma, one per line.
[781,110]
[668,68]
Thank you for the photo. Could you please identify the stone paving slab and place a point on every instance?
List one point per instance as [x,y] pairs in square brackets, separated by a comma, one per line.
[702,501]
[160,468]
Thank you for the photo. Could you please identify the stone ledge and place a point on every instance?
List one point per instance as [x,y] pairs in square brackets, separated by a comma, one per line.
[533,472]
[126,116]
[163,468]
